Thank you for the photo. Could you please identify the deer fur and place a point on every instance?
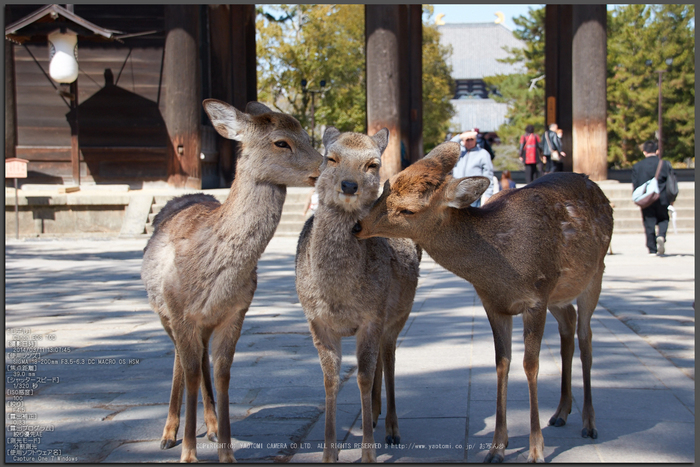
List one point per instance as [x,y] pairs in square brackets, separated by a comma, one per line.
[528,249]
[354,287]
[199,266]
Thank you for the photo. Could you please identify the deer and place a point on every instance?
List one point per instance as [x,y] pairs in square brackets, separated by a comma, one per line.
[528,249]
[200,265]
[354,287]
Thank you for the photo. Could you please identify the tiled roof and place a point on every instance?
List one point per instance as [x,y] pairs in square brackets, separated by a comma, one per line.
[484,114]
[475,48]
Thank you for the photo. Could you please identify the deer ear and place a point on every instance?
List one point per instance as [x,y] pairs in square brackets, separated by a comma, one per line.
[381,138]
[330,136]
[228,121]
[447,154]
[462,192]
[256,108]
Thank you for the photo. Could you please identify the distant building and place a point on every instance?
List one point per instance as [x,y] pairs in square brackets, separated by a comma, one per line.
[475,50]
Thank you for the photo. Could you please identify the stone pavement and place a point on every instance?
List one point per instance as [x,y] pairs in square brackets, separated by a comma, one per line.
[102,382]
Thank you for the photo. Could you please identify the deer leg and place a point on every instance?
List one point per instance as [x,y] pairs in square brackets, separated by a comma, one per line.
[388,354]
[566,317]
[377,392]
[172,424]
[190,350]
[586,303]
[533,324]
[224,347]
[207,392]
[329,354]
[368,340]
[502,328]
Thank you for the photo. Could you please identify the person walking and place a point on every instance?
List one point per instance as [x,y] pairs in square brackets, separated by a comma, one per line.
[551,144]
[529,154]
[657,212]
[474,161]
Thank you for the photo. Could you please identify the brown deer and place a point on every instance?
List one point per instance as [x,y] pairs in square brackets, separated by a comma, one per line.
[528,249]
[354,287]
[199,267]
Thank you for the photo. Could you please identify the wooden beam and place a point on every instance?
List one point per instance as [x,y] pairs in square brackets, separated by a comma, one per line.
[558,37]
[10,102]
[415,116]
[383,81]
[182,103]
[589,105]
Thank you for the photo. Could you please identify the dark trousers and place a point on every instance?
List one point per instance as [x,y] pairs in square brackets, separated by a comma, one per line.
[531,172]
[656,214]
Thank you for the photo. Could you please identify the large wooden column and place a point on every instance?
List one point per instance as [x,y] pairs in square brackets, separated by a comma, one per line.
[415,73]
[393,35]
[10,102]
[183,103]
[233,68]
[558,37]
[589,106]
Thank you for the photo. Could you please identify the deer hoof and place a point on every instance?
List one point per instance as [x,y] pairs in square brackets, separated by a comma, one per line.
[492,458]
[212,437]
[393,440]
[589,433]
[557,421]
[167,443]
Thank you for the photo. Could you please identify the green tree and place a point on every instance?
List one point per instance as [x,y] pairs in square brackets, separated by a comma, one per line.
[523,91]
[327,42]
[637,34]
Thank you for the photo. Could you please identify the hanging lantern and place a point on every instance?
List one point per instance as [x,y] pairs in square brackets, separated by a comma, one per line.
[63,56]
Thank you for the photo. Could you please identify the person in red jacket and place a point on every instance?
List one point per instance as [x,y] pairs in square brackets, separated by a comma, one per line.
[529,154]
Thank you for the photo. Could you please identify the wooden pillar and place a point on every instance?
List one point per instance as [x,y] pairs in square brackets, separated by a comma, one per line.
[245,84]
[74,132]
[589,106]
[415,39]
[10,102]
[183,103]
[558,37]
[221,78]
[382,23]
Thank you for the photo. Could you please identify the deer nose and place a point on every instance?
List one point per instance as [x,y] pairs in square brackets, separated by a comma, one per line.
[349,188]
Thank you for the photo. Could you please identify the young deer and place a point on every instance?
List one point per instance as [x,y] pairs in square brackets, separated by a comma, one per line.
[354,287]
[528,249]
[199,267]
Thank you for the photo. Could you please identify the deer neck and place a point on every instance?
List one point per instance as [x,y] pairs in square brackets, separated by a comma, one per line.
[334,250]
[461,246]
[251,213]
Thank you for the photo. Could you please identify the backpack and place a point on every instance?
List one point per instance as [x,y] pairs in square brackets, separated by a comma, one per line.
[671,185]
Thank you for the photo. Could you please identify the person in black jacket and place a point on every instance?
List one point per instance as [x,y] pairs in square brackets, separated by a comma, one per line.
[551,142]
[657,212]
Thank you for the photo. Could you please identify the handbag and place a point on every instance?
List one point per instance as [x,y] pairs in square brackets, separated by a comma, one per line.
[553,152]
[648,192]
[671,185]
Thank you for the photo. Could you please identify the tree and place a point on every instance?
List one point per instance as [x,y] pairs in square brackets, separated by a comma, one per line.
[315,43]
[637,33]
[327,42]
[524,92]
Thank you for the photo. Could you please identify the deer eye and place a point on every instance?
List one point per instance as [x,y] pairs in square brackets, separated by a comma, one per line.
[282,144]
[373,165]
[330,159]
[406,212]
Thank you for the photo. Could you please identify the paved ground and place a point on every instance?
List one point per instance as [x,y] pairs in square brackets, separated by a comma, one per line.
[84,299]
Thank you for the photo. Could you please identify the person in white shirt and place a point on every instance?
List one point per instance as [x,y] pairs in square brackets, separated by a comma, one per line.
[474,161]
